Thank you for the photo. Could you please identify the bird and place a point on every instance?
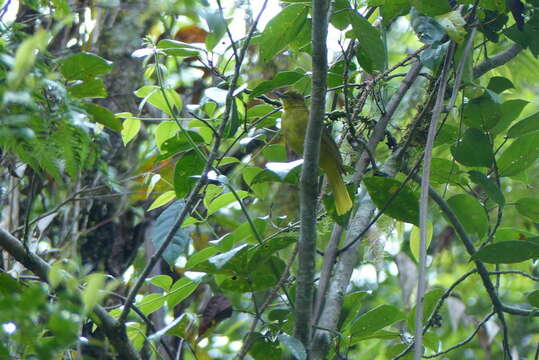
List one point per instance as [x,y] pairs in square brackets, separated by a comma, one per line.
[294,125]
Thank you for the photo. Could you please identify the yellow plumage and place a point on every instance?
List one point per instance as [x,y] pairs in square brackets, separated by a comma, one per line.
[294,125]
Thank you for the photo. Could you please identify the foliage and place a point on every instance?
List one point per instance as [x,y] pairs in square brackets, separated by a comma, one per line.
[198,157]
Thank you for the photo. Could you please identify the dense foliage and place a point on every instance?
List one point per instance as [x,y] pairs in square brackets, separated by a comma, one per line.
[150,209]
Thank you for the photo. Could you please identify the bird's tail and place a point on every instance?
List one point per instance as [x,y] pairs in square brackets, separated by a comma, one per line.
[343,203]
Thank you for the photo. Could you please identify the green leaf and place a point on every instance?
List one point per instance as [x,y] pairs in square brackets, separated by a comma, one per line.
[180,291]
[224,200]
[490,188]
[275,152]
[25,57]
[224,262]
[529,124]
[293,345]
[162,200]
[161,99]
[510,109]
[178,48]
[262,252]
[103,116]
[403,207]
[374,320]
[201,256]
[351,304]
[281,30]
[284,78]
[235,277]
[91,89]
[431,8]
[162,281]
[455,26]
[280,172]
[499,84]
[163,225]
[445,171]
[520,155]
[533,298]
[259,189]
[482,113]
[415,239]
[371,51]
[508,252]
[151,303]
[474,149]
[529,207]
[91,295]
[130,129]
[84,66]
[430,300]
[339,17]
[217,27]
[470,213]
[394,8]
[264,349]
[188,165]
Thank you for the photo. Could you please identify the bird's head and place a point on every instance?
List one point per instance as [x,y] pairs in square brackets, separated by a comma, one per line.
[291,99]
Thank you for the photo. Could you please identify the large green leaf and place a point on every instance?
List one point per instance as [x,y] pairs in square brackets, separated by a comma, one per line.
[177,48]
[84,66]
[281,79]
[520,155]
[103,116]
[166,100]
[482,113]
[403,206]
[529,124]
[508,252]
[294,346]
[510,110]
[474,149]
[431,8]
[374,320]
[490,188]
[529,207]
[371,51]
[90,89]
[161,228]
[188,165]
[282,29]
[430,299]
[470,213]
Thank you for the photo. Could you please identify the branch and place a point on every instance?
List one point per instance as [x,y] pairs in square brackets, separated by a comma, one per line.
[114,330]
[483,272]
[309,175]
[424,200]
[497,60]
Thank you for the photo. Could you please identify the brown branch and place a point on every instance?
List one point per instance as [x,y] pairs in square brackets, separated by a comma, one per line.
[309,175]
[497,60]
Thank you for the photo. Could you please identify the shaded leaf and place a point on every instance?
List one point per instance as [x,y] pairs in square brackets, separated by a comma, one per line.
[371,51]
[490,188]
[474,149]
[374,320]
[520,155]
[529,124]
[293,345]
[161,228]
[508,252]
[529,207]
[403,207]
[84,66]
[470,214]
[284,78]
[103,116]
[281,30]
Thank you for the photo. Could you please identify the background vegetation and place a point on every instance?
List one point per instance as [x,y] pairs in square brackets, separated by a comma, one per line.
[149,209]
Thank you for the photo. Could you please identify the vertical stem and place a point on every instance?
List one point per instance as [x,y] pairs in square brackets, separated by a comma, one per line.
[423,205]
[309,175]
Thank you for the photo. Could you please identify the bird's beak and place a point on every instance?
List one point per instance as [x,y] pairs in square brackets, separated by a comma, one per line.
[280,94]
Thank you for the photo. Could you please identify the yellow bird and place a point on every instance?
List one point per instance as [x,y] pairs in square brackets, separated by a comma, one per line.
[294,125]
